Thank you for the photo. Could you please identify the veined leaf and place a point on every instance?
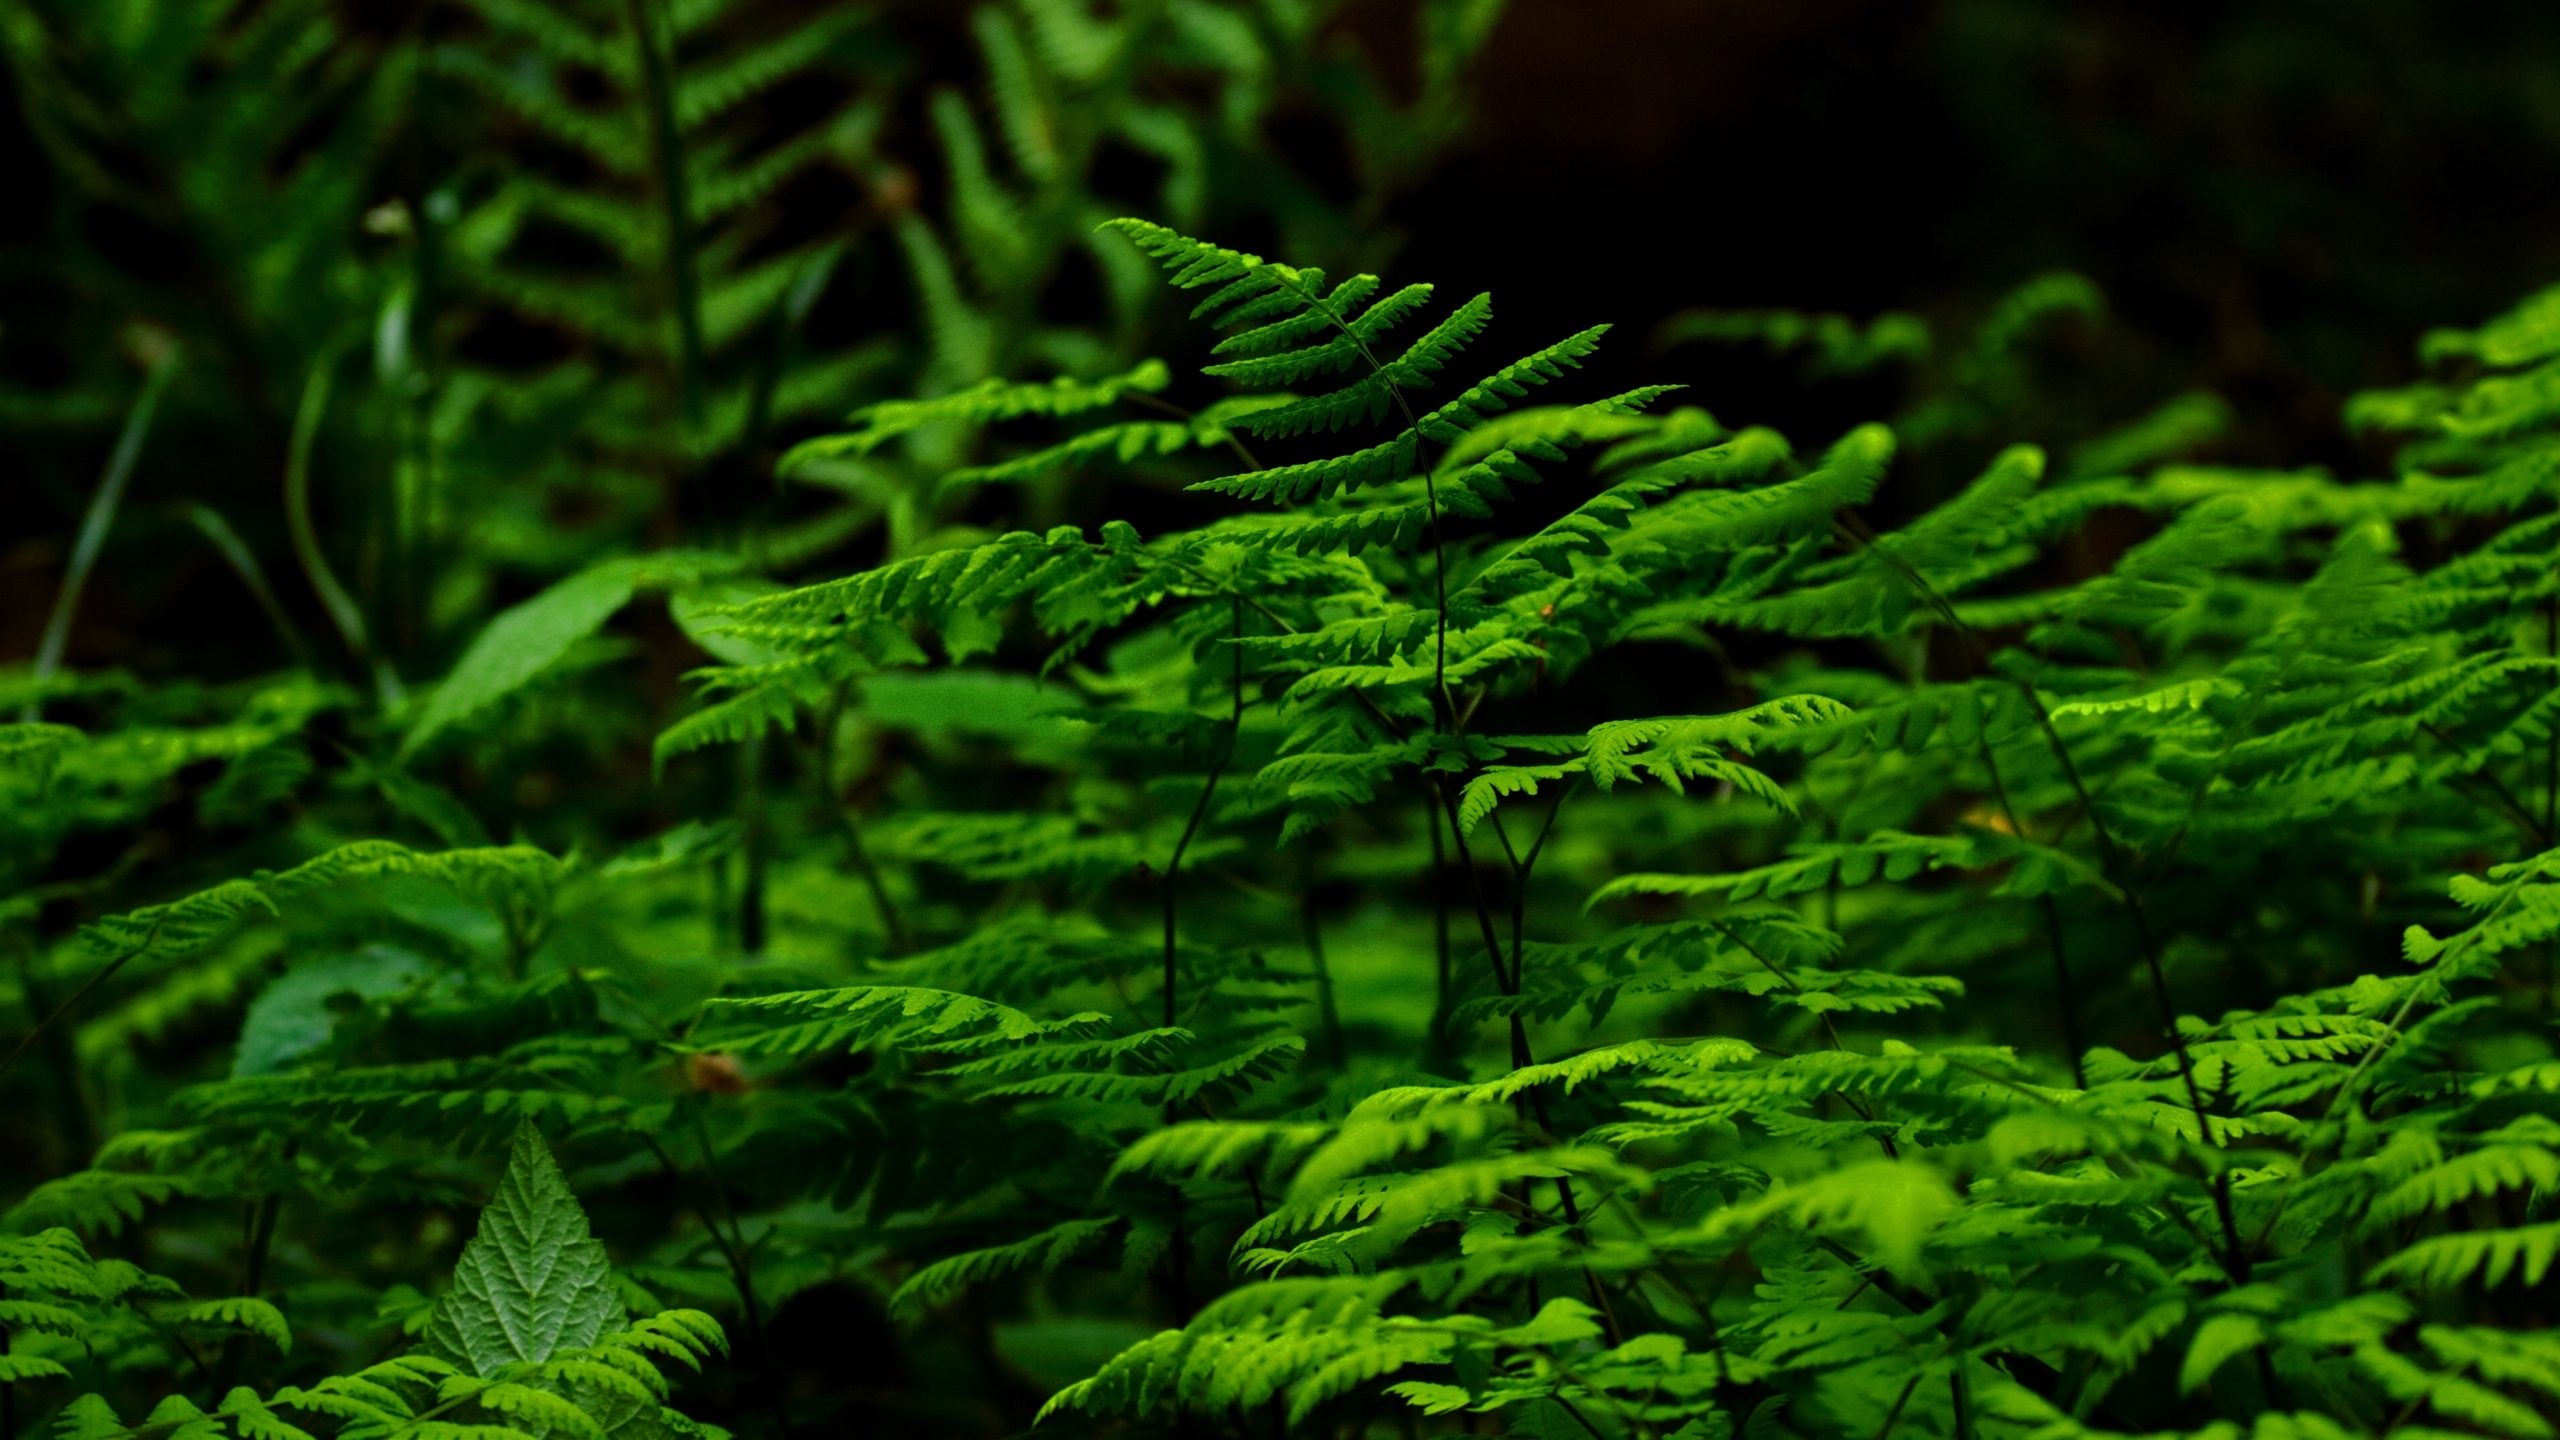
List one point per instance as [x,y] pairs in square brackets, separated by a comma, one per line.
[532,1282]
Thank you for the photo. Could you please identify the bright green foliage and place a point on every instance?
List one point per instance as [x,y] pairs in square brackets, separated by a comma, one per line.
[1511,910]
[1949,1233]
[529,1343]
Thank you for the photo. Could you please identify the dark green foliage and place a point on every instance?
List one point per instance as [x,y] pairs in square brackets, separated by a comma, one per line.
[1361,885]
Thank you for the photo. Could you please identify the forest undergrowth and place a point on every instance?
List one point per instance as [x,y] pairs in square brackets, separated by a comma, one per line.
[1320,878]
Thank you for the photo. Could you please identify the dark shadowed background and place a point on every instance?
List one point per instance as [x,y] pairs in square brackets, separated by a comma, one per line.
[2275,198]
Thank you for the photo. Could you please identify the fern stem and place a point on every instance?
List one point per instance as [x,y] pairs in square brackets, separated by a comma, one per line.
[735,1252]
[891,922]
[2539,831]
[79,1125]
[1158,402]
[1439,921]
[2111,858]
[1578,1418]
[334,599]
[1191,828]
[782,333]
[54,1018]
[2235,1254]
[741,1274]
[1442,705]
[752,844]
[1883,1142]
[243,561]
[1521,869]
[2551,790]
[2064,1000]
[657,80]
[1311,927]
[1445,710]
[869,872]
[103,504]
[1503,982]
[258,1242]
[1885,1431]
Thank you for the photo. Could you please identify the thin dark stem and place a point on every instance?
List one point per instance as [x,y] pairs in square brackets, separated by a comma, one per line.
[1191,828]
[2517,810]
[751,936]
[740,1273]
[667,144]
[2063,997]
[1384,720]
[1178,1261]
[2064,1001]
[1956,1394]
[79,1126]
[1521,1057]
[1439,918]
[1578,1418]
[1521,868]
[2551,790]
[253,577]
[177,1342]
[1311,927]
[1885,1431]
[66,1007]
[262,1235]
[1442,706]
[782,329]
[890,920]
[721,915]
[1885,1142]
[103,504]
[343,613]
[1590,1278]
[1506,983]
[2111,858]
[872,884]
[736,1253]
[257,1241]
[1169,408]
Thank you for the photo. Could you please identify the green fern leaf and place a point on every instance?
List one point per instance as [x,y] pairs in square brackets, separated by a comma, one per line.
[247,1313]
[939,1282]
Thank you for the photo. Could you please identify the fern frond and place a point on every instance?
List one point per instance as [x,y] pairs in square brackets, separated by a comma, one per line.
[938,1282]
[1888,854]
[1379,464]
[1123,443]
[1368,398]
[247,1313]
[986,402]
[728,721]
[1258,1061]
[801,1021]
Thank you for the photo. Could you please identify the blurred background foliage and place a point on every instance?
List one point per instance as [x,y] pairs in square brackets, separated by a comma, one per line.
[367,321]
[453,214]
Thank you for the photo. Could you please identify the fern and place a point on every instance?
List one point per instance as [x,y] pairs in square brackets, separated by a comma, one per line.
[1568,917]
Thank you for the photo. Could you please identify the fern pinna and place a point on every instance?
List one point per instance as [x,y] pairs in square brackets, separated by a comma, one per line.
[2018,996]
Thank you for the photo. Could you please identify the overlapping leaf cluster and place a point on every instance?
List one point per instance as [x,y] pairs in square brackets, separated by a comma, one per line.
[2077,961]
[2321,1206]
